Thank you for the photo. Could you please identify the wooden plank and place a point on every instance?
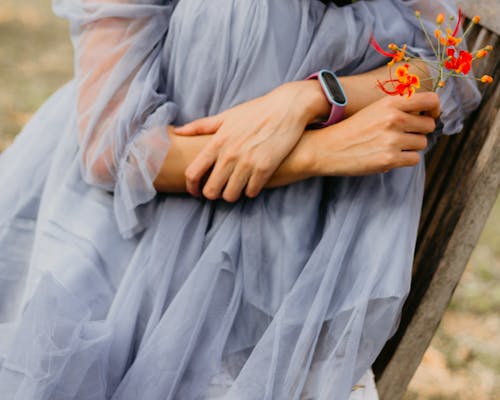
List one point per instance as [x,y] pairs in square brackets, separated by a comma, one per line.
[488,10]
[456,214]
[442,158]
[398,373]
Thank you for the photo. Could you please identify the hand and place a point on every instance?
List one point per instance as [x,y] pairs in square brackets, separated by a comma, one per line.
[385,135]
[251,140]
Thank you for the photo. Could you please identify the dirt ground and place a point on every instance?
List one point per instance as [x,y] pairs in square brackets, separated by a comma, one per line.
[463,362]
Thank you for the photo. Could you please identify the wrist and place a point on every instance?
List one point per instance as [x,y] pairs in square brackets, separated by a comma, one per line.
[312,104]
[347,84]
[310,152]
[321,154]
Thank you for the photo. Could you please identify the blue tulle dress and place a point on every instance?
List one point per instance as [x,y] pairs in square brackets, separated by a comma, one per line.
[109,290]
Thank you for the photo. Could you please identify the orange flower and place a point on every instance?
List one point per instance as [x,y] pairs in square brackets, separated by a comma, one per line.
[461,64]
[481,53]
[405,82]
[451,39]
[486,79]
[397,54]
[476,19]
[440,19]
[441,84]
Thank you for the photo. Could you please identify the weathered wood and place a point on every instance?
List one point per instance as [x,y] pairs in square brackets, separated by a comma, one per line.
[462,183]
[442,158]
[489,10]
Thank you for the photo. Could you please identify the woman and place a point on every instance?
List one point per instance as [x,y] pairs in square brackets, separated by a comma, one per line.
[114,285]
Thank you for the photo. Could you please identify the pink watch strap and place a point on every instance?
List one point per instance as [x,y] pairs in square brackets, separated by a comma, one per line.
[336,113]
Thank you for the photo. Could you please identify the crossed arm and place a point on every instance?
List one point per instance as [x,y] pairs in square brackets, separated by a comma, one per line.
[379,133]
[256,144]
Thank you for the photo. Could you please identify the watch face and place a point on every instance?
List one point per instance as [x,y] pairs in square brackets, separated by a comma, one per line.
[333,87]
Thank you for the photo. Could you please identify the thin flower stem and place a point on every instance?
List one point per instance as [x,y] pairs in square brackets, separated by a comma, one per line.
[469,27]
[439,50]
[412,55]
[420,68]
[456,75]
[430,63]
[417,57]
[426,34]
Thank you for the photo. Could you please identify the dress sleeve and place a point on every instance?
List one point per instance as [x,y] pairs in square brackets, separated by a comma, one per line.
[122,106]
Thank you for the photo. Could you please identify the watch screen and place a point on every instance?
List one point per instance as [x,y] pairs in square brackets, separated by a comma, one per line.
[334,88]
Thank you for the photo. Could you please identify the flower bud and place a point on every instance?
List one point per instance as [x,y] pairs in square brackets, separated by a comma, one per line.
[486,79]
[440,19]
[481,54]
[476,19]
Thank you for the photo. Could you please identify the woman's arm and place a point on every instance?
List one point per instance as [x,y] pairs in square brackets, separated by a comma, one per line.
[122,107]
[384,135]
[362,89]
[251,140]
[117,72]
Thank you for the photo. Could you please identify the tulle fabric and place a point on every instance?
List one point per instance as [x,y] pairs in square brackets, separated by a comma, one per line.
[112,291]
[122,106]
[124,101]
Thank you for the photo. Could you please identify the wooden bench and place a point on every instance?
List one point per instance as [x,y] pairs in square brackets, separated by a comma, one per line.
[462,184]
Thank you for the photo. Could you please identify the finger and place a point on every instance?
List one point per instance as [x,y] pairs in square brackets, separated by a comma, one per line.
[217,180]
[236,184]
[419,123]
[408,159]
[413,141]
[202,126]
[427,102]
[256,183]
[197,169]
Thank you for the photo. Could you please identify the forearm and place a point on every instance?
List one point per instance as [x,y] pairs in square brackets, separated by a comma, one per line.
[184,149]
[362,90]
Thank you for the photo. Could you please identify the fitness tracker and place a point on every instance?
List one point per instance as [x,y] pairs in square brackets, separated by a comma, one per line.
[334,94]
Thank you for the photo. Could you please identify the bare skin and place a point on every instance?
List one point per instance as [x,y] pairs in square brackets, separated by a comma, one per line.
[275,149]
[251,140]
[384,135]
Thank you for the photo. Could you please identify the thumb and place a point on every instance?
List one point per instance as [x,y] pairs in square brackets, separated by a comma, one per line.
[202,126]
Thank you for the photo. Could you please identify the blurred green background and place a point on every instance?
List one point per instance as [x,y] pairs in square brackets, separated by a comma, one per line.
[464,359]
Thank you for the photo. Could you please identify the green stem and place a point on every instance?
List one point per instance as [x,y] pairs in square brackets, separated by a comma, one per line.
[426,34]
[469,27]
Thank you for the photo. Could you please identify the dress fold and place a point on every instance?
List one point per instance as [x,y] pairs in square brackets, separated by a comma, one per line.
[110,290]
